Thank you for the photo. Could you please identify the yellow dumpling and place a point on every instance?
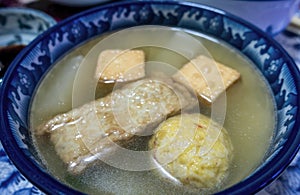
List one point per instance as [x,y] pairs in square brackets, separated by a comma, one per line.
[193,149]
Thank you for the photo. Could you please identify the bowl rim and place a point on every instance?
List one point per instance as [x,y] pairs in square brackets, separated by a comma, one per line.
[46,182]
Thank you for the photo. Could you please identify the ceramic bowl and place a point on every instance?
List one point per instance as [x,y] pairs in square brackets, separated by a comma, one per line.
[272,16]
[19,26]
[30,66]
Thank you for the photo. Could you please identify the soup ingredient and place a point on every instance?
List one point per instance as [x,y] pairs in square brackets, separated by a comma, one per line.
[120,65]
[206,79]
[88,133]
[177,144]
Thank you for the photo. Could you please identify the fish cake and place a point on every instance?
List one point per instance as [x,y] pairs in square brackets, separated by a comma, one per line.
[120,65]
[91,131]
[206,77]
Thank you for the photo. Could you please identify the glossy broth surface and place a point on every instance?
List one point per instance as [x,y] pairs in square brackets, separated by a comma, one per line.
[250,121]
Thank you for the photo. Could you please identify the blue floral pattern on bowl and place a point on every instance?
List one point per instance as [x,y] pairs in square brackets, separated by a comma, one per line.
[11,180]
[21,26]
[23,77]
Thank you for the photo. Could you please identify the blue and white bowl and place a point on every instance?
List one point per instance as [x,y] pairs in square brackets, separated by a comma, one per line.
[30,66]
[19,26]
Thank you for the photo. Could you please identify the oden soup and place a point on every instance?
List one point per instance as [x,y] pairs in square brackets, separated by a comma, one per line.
[250,120]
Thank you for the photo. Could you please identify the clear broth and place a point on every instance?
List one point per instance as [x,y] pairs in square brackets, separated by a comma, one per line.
[250,120]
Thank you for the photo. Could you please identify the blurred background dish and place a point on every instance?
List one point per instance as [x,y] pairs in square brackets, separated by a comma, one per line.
[18,27]
[272,16]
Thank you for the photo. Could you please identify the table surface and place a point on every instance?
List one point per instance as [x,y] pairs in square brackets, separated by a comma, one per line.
[12,182]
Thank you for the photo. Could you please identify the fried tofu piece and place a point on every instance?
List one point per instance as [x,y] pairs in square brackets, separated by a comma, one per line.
[206,77]
[120,66]
[93,131]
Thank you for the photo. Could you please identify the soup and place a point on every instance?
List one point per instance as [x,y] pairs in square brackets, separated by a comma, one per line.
[249,119]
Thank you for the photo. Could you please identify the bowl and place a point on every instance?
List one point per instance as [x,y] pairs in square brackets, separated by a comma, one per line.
[31,65]
[270,16]
[18,27]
